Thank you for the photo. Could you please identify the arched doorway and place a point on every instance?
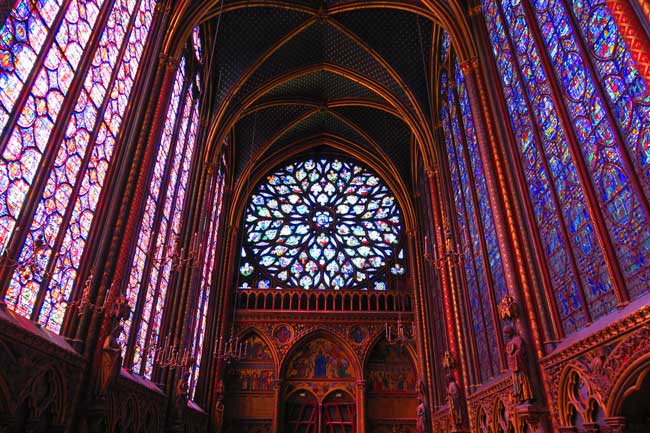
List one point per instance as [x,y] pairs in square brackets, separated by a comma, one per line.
[301,413]
[339,413]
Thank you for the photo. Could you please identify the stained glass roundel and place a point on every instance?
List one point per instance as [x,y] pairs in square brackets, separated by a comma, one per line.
[322,224]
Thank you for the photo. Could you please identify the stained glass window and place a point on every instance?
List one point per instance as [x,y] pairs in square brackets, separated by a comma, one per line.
[156,252]
[482,261]
[79,81]
[322,224]
[606,106]
[196,41]
[201,314]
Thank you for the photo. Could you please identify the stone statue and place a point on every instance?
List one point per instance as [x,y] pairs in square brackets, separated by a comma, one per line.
[219,408]
[518,365]
[422,410]
[454,402]
[421,423]
[182,392]
[111,360]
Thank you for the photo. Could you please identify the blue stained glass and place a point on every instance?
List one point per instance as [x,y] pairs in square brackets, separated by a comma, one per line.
[324,224]
[549,214]
[592,268]
[629,99]
[477,284]
[601,151]
[483,198]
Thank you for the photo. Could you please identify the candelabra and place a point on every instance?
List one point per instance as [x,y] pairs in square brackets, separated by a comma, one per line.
[170,355]
[179,258]
[234,350]
[452,254]
[401,334]
[84,304]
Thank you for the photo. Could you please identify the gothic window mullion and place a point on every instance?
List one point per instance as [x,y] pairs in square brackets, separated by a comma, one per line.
[16,101]
[99,115]
[485,266]
[639,181]
[467,321]
[183,140]
[462,220]
[479,221]
[208,281]
[34,176]
[105,154]
[604,72]
[529,212]
[554,188]
[149,252]
[577,148]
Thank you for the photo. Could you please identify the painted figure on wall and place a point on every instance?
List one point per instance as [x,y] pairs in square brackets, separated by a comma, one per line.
[390,370]
[254,373]
[518,365]
[283,334]
[257,349]
[319,358]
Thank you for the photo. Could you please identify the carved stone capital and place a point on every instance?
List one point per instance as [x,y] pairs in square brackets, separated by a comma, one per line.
[168,61]
[469,65]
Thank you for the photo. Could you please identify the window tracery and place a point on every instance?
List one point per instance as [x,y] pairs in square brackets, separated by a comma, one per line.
[78,81]
[322,223]
[578,107]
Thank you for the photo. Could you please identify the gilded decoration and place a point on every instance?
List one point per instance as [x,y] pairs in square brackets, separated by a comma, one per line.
[319,359]
[593,369]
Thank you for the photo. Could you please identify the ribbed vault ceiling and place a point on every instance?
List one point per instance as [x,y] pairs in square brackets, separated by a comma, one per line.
[285,73]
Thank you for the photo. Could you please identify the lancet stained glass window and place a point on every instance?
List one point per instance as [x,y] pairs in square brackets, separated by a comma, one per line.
[156,252]
[601,105]
[322,223]
[482,260]
[201,315]
[78,81]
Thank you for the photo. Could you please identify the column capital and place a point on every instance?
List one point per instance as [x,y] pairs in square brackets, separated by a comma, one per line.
[168,61]
[431,170]
[476,10]
[469,65]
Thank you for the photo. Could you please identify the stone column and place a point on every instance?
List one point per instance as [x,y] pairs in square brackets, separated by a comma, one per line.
[277,409]
[361,406]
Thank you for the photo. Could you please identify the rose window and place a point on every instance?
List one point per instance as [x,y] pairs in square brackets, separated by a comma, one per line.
[322,224]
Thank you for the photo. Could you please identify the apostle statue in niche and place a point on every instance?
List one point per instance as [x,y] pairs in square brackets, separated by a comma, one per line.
[219,407]
[182,393]
[454,402]
[111,360]
[422,411]
[518,364]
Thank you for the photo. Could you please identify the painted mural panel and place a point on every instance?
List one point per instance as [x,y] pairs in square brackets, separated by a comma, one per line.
[319,359]
[256,372]
[390,370]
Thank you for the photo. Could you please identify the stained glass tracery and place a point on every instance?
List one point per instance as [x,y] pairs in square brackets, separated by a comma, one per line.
[576,47]
[482,263]
[97,45]
[322,224]
[201,315]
